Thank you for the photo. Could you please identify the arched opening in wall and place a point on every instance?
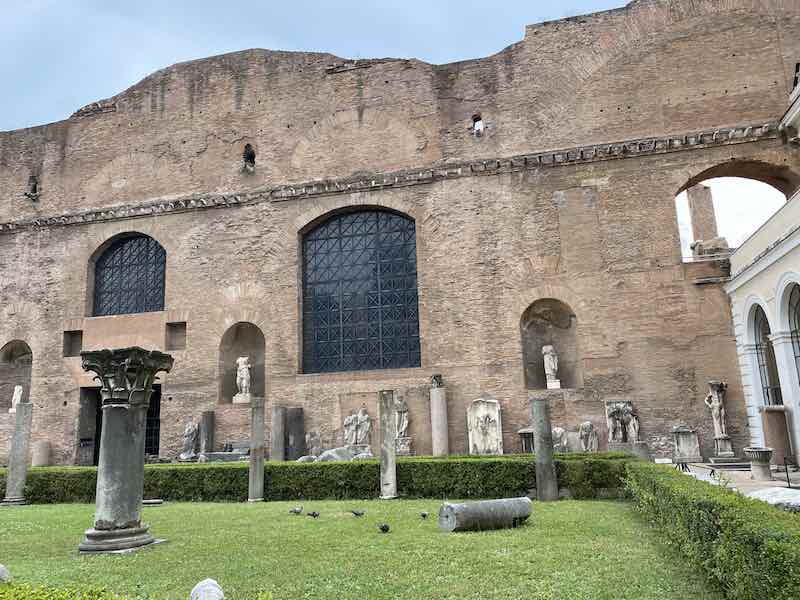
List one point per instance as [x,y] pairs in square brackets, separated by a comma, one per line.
[765,354]
[550,322]
[240,341]
[127,275]
[794,324]
[15,374]
[359,303]
[721,207]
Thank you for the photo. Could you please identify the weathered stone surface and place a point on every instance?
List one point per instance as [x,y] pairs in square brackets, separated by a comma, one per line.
[277,436]
[255,488]
[546,481]
[485,426]
[388,412]
[208,589]
[779,497]
[207,422]
[439,424]
[40,456]
[5,574]
[295,433]
[485,515]
[687,446]
[18,458]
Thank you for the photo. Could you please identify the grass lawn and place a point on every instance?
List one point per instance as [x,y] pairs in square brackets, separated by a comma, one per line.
[568,550]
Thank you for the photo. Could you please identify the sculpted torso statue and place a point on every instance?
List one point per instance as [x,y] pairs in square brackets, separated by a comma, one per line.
[16,398]
[243,368]
[550,362]
[350,429]
[190,436]
[364,426]
[401,417]
[715,401]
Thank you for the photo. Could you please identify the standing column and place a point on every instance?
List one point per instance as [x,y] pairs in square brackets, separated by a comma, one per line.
[439,426]
[277,436]
[126,378]
[790,385]
[18,457]
[546,481]
[206,433]
[388,445]
[255,489]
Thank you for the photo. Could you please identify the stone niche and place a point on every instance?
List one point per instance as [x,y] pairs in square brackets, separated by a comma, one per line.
[15,369]
[550,322]
[241,339]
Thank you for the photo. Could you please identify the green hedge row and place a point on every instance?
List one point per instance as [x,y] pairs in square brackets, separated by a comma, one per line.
[750,549]
[585,475]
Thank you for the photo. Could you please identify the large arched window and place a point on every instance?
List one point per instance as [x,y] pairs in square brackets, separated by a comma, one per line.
[129,277]
[360,307]
[767,366]
[794,323]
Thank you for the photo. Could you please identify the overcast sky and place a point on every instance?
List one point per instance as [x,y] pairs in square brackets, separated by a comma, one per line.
[59,55]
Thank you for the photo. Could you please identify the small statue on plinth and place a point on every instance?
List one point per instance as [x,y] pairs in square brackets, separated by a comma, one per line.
[551,367]
[243,368]
[560,443]
[363,427]
[16,398]
[715,401]
[191,435]
[401,421]
[350,429]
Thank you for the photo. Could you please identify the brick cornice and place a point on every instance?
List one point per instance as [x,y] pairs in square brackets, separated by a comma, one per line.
[411,177]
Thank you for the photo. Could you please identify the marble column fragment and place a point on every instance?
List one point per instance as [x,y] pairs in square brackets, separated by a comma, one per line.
[18,458]
[546,481]
[255,488]
[439,425]
[277,435]
[295,433]
[206,432]
[388,445]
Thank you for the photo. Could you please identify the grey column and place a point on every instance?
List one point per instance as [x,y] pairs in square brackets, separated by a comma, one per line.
[439,425]
[207,432]
[40,456]
[277,435]
[295,433]
[388,445]
[255,489]
[546,481]
[18,457]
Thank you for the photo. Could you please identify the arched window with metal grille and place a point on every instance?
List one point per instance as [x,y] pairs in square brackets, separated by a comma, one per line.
[360,307]
[129,277]
[767,366]
[794,323]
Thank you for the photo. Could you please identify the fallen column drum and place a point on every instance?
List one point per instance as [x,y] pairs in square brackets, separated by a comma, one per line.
[485,515]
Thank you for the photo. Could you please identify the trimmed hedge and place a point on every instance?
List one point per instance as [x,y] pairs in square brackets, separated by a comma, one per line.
[750,549]
[585,475]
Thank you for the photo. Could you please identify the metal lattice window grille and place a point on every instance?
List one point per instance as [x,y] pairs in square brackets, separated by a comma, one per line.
[129,277]
[360,306]
[767,366]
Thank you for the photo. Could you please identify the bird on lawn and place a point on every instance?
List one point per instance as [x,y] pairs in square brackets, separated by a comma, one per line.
[384,527]
[357,513]
[423,514]
[313,514]
[297,510]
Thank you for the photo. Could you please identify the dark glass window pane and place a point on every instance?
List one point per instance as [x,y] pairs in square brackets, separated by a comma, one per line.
[129,277]
[360,293]
[767,366]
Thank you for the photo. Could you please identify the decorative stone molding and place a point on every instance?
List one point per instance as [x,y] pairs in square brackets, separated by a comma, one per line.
[378,181]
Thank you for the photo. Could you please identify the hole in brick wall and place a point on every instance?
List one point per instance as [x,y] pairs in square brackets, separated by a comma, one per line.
[249,158]
[73,343]
[796,75]
[176,336]
[478,126]
[33,188]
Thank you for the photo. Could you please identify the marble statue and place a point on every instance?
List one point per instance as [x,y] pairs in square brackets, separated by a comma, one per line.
[551,367]
[560,440]
[400,416]
[243,368]
[587,435]
[363,427]
[436,381]
[623,422]
[313,443]
[484,427]
[16,398]
[191,435]
[715,401]
[351,429]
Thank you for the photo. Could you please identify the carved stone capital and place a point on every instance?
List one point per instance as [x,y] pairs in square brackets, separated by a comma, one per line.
[126,375]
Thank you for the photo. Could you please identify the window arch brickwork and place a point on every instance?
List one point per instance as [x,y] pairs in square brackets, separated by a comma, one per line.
[360,306]
[129,277]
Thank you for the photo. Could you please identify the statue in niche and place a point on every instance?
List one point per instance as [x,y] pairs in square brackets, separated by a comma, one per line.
[715,401]
[16,398]
[588,437]
[400,416]
[363,426]
[550,364]
[243,368]
[436,381]
[351,429]
[191,435]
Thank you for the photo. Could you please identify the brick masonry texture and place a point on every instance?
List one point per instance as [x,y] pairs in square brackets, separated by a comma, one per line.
[593,125]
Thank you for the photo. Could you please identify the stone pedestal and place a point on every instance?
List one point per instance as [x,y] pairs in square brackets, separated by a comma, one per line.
[277,436]
[127,382]
[546,481]
[40,456]
[439,433]
[686,445]
[295,433]
[404,446]
[18,457]
[206,432]
[759,463]
[255,488]
[242,399]
[554,384]
[723,448]
[388,445]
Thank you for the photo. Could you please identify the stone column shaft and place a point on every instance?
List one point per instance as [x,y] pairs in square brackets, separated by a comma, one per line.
[388,445]
[790,385]
[18,458]
[255,488]
[546,481]
[439,425]
[277,436]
